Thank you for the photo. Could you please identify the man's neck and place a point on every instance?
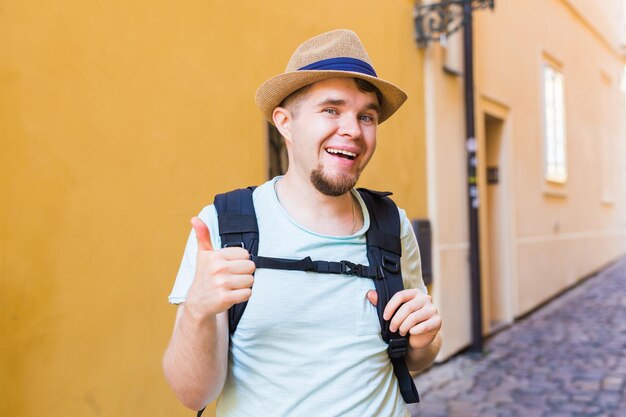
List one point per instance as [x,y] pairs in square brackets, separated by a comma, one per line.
[328,215]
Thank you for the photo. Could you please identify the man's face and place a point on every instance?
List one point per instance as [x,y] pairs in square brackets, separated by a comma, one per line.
[333,134]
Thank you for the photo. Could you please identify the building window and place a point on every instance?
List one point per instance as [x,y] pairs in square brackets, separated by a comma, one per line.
[278,161]
[554,125]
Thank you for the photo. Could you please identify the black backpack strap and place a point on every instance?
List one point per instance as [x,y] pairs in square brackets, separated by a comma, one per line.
[322,267]
[384,249]
[238,227]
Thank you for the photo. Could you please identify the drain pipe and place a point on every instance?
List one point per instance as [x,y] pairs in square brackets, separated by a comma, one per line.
[472,186]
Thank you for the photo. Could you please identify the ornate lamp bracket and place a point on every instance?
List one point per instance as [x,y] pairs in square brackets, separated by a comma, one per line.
[436,21]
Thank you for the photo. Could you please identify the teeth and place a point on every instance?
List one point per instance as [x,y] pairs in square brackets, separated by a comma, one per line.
[340,151]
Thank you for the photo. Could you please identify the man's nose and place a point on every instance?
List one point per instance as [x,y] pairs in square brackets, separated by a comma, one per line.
[350,126]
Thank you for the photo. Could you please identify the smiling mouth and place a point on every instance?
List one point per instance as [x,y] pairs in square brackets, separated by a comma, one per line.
[341,153]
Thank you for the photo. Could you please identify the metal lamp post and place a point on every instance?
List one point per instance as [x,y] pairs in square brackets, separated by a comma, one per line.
[434,22]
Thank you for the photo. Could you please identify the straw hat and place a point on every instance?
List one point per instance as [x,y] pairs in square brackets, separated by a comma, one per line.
[334,54]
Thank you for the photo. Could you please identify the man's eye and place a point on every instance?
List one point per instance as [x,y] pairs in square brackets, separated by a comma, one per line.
[330,111]
[367,118]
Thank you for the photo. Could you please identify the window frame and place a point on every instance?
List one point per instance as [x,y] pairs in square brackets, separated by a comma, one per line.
[556,170]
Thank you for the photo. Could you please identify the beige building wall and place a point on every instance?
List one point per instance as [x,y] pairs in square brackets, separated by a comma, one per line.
[537,237]
[118,122]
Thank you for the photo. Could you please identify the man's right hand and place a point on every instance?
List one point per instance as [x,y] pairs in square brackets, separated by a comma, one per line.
[223,277]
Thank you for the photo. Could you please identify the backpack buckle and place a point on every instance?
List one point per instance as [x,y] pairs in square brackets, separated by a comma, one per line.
[391,264]
[397,348]
[350,268]
[234,245]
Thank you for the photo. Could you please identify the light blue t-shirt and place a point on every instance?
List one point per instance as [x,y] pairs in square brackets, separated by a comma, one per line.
[308,343]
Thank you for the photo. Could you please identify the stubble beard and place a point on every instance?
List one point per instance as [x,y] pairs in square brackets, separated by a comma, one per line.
[332,186]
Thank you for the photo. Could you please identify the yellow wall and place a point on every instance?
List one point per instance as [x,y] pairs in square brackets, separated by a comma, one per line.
[120,120]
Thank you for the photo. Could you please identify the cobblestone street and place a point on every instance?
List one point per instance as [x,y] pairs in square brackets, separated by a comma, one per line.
[567,359]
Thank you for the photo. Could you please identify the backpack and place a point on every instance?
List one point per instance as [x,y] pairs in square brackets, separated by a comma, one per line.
[238,228]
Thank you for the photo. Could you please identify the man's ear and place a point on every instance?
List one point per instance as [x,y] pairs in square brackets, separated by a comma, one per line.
[282,120]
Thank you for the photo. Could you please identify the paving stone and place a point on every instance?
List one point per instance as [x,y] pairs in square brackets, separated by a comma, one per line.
[558,399]
[619,412]
[560,361]
[474,396]
[432,409]
[610,401]
[499,397]
[573,407]
[586,385]
[534,412]
[593,410]
[463,409]
[613,383]
[508,413]
[583,398]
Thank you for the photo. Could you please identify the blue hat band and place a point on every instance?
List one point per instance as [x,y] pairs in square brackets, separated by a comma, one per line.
[341,64]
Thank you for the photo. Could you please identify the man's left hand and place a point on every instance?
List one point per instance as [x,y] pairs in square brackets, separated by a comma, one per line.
[413,312]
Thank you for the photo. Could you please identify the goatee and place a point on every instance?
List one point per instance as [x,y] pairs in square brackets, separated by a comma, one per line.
[333,187]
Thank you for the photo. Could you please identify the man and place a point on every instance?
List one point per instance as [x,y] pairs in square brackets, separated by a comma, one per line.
[308,343]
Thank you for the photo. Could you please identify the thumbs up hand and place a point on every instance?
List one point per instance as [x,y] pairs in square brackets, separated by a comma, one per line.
[223,277]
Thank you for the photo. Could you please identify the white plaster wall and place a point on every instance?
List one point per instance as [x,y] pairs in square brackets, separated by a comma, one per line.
[561,232]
